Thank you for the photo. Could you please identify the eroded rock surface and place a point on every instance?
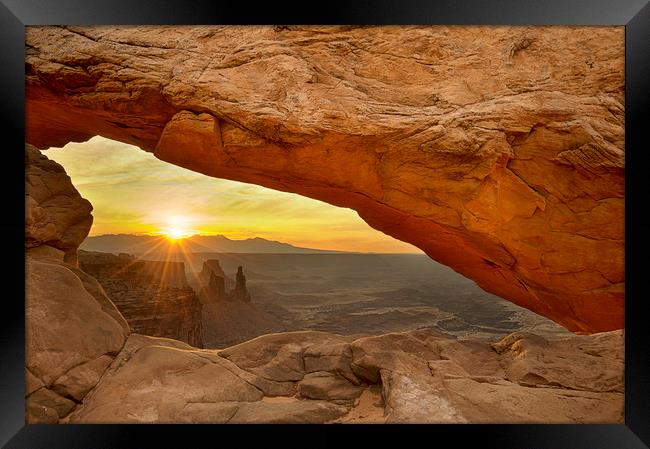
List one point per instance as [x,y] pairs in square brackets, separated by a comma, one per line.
[419,376]
[72,330]
[497,150]
[156,381]
[228,315]
[70,337]
[154,296]
[213,281]
[56,215]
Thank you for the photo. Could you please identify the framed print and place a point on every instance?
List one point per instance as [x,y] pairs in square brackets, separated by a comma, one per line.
[421,214]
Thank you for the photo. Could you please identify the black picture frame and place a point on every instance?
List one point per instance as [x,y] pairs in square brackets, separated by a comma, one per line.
[633,14]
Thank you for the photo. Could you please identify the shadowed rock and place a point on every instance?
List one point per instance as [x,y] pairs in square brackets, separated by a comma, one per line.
[153,296]
[213,267]
[240,293]
[229,317]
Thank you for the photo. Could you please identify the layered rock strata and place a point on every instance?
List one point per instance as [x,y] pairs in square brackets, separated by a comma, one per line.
[153,296]
[499,151]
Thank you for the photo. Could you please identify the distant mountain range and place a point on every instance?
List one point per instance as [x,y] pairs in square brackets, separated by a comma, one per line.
[150,244]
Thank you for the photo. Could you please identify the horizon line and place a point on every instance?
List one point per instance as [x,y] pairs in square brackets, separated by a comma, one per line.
[161,234]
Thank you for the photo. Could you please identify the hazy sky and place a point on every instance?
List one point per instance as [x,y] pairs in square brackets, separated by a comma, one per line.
[133,192]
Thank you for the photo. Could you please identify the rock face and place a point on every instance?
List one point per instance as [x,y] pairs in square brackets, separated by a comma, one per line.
[496,150]
[212,267]
[56,215]
[153,296]
[240,293]
[229,317]
[73,330]
[162,274]
[214,289]
[71,334]
[213,282]
[420,376]
[154,379]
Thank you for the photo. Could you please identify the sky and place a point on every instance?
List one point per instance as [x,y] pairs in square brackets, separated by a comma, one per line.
[133,192]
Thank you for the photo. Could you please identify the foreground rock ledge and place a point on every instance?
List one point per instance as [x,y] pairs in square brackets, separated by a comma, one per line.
[314,377]
[496,150]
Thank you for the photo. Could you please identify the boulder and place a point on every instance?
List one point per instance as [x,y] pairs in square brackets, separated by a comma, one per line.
[154,383]
[65,324]
[42,402]
[335,358]
[56,215]
[32,383]
[327,386]
[506,402]
[40,414]
[77,382]
[394,351]
[521,378]
[414,397]
[270,388]
[533,361]
[422,377]
[277,357]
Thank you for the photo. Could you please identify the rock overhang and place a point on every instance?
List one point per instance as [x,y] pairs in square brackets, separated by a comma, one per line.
[497,151]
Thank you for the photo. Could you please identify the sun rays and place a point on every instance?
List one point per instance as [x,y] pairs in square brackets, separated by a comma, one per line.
[175,234]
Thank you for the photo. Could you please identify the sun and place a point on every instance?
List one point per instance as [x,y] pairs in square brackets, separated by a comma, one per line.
[176,233]
[177,227]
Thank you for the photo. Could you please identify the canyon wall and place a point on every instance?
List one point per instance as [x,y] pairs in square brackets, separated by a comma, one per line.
[72,329]
[499,151]
[153,296]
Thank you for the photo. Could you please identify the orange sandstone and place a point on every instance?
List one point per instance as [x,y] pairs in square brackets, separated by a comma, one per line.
[499,151]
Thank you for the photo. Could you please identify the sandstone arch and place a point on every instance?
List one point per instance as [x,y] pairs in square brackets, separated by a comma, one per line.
[498,151]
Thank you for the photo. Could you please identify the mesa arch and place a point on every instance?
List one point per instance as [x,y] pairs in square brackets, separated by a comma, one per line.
[499,151]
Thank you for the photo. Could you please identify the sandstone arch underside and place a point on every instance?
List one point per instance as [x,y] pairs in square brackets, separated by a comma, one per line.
[499,151]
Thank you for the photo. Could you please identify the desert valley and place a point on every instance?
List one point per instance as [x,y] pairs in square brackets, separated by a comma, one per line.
[338,292]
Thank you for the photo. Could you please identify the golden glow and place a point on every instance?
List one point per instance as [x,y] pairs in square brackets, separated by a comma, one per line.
[177,227]
[176,233]
[132,192]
